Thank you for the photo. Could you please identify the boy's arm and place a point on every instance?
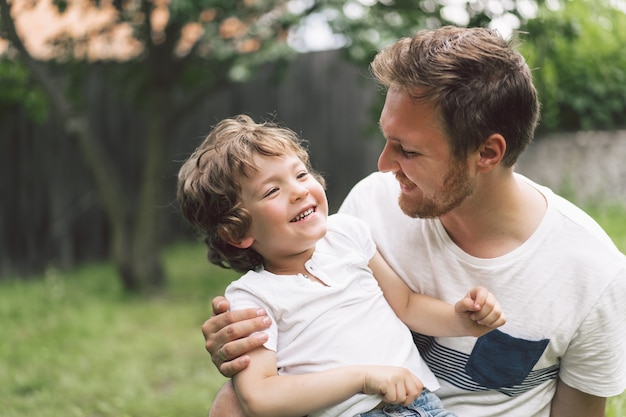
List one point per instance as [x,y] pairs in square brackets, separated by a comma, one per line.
[476,314]
[262,392]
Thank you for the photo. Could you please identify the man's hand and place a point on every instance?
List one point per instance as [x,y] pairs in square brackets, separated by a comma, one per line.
[228,335]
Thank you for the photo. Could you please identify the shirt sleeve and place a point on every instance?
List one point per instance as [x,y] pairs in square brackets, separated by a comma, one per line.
[595,362]
[241,296]
[355,201]
[355,233]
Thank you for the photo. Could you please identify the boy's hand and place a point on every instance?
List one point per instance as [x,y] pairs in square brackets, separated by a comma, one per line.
[396,385]
[479,312]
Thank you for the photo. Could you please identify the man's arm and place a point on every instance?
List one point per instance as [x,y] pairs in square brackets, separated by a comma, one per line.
[228,335]
[226,403]
[570,402]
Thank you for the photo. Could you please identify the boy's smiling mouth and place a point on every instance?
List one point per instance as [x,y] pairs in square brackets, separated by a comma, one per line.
[303,215]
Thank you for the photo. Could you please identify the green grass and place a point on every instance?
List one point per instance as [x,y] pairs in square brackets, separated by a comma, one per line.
[74,345]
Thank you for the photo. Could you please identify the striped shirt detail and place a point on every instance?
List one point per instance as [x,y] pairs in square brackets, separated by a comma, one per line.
[449,365]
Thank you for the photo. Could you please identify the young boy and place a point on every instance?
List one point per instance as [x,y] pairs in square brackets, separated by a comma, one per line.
[335,346]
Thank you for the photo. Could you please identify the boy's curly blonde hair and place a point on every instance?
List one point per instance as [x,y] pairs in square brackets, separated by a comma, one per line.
[208,190]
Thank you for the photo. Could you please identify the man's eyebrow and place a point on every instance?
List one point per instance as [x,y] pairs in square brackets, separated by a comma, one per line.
[389,138]
[380,127]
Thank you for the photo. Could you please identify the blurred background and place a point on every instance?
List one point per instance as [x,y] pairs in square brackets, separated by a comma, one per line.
[102,100]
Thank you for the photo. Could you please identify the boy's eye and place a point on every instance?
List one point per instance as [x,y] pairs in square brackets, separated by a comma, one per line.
[270,192]
[302,174]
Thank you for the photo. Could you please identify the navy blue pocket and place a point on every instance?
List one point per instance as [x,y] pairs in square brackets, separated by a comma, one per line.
[499,360]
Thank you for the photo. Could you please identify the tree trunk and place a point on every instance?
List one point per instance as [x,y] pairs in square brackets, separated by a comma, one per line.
[146,240]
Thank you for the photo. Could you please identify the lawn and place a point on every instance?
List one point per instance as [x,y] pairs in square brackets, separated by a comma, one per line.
[74,345]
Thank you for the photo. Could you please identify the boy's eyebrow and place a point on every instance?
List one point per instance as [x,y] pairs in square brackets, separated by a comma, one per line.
[260,185]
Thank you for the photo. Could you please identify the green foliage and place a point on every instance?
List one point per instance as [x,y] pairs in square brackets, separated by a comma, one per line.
[17,90]
[370,25]
[611,218]
[579,65]
[616,406]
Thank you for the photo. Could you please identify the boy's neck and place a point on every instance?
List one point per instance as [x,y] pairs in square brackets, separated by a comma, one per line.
[289,265]
[292,265]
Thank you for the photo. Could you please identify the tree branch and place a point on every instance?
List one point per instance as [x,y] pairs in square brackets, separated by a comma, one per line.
[49,86]
[75,123]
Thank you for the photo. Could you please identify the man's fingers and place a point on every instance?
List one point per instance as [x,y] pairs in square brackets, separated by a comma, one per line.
[240,347]
[231,357]
[231,368]
[220,305]
[234,337]
[232,325]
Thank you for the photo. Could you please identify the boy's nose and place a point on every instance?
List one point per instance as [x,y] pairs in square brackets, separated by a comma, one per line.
[299,192]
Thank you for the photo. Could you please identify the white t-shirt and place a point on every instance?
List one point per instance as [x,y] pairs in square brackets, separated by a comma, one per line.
[563,292]
[348,322]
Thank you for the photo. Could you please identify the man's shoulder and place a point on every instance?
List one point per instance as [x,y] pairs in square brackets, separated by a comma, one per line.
[377,179]
[376,190]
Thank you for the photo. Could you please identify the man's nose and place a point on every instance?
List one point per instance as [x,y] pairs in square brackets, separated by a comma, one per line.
[386,161]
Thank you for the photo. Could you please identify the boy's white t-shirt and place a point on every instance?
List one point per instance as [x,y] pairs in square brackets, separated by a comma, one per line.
[563,293]
[348,322]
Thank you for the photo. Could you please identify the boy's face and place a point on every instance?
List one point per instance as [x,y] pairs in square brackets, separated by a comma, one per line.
[288,208]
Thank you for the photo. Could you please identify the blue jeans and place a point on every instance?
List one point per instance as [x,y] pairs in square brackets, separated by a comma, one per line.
[426,405]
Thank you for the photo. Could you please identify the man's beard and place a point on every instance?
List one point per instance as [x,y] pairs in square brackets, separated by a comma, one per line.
[456,187]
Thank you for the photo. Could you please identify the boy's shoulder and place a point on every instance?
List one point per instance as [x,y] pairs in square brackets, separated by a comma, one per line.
[346,223]
[346,232]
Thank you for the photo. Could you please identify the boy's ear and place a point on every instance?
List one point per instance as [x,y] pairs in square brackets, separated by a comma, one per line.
[225,235]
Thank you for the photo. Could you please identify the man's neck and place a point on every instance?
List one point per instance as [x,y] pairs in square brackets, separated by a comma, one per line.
[499,217]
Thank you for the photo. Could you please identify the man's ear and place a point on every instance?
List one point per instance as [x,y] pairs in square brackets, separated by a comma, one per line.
[226,236]
[491,152]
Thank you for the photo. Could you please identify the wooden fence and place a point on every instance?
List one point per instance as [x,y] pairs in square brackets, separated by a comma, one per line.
[51,215]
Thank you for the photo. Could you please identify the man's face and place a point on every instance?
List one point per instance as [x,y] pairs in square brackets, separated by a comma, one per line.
[432,181]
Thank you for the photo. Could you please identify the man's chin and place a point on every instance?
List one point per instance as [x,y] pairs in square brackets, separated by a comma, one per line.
[416,210]
[408,206]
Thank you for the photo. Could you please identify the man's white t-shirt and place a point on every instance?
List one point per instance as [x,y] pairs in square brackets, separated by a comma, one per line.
[347,322]
[563,292]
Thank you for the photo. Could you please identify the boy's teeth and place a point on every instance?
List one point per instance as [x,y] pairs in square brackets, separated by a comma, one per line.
[303,215]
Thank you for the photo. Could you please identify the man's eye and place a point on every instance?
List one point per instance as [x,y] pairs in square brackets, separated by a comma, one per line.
[408,154]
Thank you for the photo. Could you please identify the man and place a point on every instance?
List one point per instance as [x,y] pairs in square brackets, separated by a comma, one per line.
[448,212]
